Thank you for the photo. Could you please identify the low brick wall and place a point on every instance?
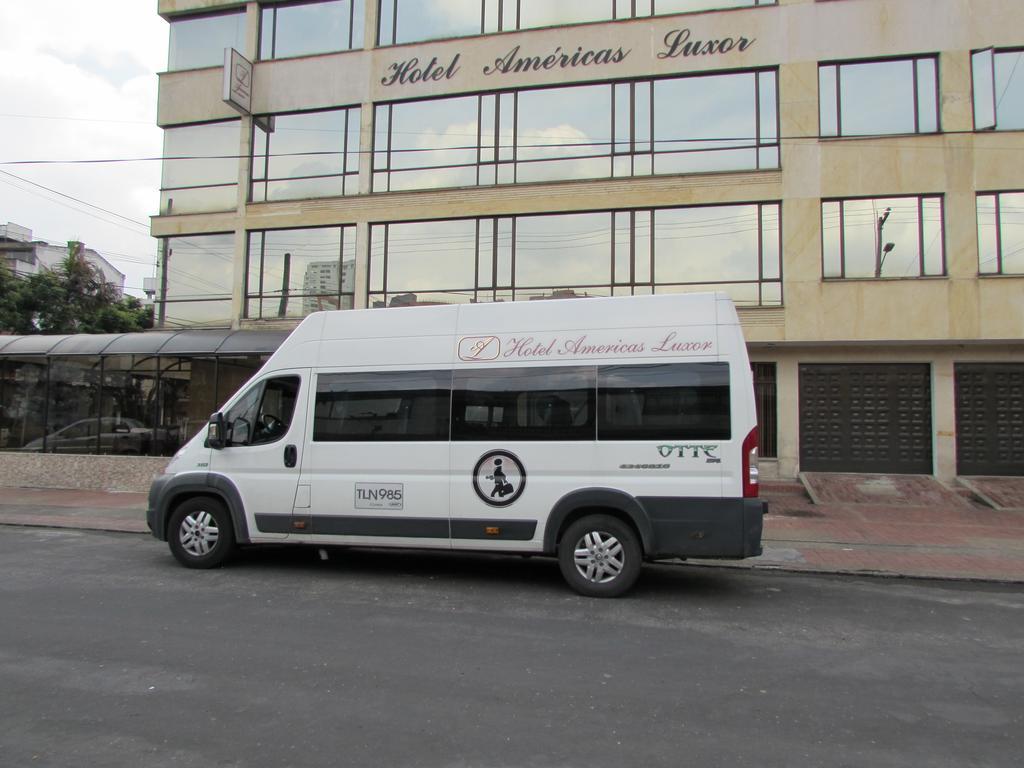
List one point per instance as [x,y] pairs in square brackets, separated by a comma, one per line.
[128,474]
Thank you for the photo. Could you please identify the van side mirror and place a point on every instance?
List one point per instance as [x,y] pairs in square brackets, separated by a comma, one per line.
[215,434]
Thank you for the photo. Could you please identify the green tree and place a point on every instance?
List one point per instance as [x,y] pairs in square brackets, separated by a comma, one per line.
[8,299]
[72,298]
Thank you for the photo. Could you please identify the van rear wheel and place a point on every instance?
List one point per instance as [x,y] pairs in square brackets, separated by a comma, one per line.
[200,533]
[600,556]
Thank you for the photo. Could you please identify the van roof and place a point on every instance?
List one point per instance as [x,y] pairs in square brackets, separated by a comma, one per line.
[429,323]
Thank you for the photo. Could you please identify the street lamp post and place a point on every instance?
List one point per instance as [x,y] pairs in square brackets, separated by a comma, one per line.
[879,255]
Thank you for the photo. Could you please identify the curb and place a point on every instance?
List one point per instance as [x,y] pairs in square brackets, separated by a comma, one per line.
[818,571]
[100,526]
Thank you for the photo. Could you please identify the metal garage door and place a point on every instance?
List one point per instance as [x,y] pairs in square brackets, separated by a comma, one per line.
[866,418]
[990,419]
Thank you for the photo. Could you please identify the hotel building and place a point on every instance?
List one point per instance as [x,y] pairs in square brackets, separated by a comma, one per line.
[851,172]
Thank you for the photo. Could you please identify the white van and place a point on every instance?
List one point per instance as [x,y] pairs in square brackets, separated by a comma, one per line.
[603,431]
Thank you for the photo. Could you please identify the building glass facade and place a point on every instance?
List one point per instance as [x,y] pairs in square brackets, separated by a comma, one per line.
[112,403]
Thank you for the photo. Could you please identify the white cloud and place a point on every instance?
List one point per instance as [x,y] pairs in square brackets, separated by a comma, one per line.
[79,83]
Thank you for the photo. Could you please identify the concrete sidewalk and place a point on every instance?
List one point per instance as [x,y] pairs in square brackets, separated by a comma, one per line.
[87,510]
[857,524]
[891,525]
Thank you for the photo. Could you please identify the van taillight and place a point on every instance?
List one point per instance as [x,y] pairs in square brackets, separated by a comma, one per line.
[750,470]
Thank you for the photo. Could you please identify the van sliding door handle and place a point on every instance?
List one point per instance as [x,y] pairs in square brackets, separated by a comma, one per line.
[291,455]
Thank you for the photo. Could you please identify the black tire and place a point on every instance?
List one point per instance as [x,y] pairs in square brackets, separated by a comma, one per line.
[200,533]
[610,556]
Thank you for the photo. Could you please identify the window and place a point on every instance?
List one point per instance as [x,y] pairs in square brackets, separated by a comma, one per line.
[524,404]
[23,400]
[312,154]
[200,168]
[732,248]
[406,21]
[293,272]
[74,385]
[147,404]
[684,401]
[998,89]
[128,399]
[883,237]
[879,97]
[678,401]
[1001,233]
[711,123]
[264,413]
[379,407]
[688,124]
[196,274]
[199,41]
[765,400]
[303,29]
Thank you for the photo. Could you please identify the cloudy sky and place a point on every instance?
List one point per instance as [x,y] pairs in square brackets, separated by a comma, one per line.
[78,82]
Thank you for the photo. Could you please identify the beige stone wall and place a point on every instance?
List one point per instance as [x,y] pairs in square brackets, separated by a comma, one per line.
[126,474]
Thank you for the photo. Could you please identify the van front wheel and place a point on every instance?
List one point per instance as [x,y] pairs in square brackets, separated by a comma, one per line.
[200,533]
[599,556]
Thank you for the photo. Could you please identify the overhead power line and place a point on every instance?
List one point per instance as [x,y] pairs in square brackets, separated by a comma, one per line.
[78,119]
[720,143]
[77,200]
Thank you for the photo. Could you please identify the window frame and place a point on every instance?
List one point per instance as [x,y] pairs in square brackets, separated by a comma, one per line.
[170,275]
[591,431]
[915,59]
[501,160]
[998,235]
[345,231]
[326,378]
[994,51]
[218,58]
[644,432]
[531,397]
[494,269]
[270,9]
[226,186]
[349,179]
[260,387]
[507,17]
[920,237]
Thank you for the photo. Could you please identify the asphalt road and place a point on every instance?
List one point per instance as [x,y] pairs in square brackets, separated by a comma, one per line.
[113,655]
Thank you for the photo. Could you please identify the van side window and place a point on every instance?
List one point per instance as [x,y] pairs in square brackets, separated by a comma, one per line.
[524,404]
[277,407]
[680,401]
[264,413]
[370,407]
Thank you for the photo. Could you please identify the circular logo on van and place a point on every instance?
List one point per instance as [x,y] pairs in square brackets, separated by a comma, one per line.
[499,478]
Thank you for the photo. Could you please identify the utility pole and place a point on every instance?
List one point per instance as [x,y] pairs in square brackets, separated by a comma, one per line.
[282,308]
[161,306]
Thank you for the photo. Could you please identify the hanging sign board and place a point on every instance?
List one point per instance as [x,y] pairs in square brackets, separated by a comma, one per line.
[237,81]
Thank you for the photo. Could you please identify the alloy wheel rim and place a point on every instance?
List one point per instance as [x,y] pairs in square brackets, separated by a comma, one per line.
[598,557]
[198,533]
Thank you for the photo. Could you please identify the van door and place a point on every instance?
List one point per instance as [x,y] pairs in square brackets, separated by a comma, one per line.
[377,463]
[266,430]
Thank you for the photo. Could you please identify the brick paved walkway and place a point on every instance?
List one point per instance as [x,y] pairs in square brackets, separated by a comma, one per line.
[893,525]
[887,525]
